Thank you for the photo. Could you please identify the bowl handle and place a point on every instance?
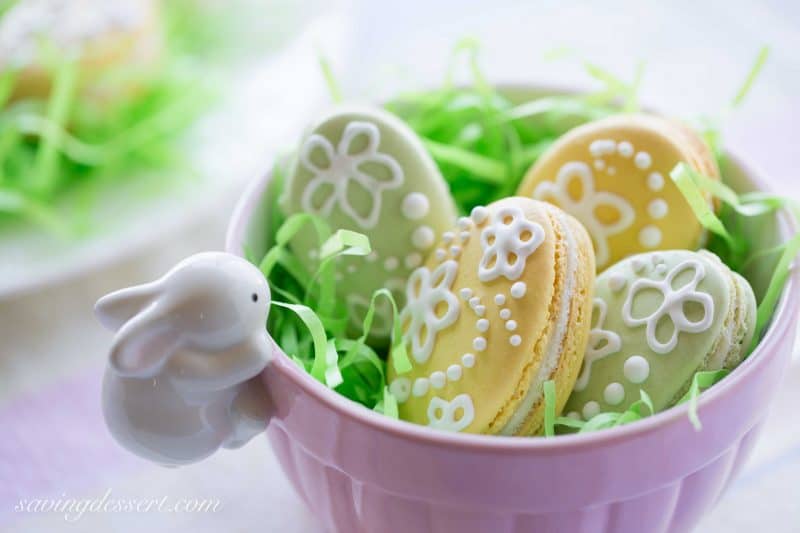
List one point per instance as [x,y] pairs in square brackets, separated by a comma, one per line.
[184,366]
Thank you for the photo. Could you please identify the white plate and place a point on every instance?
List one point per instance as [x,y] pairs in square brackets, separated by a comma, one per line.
[231,145]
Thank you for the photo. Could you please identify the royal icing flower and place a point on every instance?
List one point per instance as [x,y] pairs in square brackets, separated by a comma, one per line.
[507,242]
[430,307]
[602,343]
[672,305]
[351,170]
[585,207]
[454,415]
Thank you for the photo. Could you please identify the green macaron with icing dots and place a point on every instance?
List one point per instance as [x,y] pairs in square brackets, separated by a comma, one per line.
[657,319]
[363,169]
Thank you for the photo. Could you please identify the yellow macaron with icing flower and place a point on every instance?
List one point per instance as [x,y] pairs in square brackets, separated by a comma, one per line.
[613,175]
[501,306]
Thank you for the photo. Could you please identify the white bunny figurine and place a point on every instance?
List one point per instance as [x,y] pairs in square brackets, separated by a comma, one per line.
[179,384]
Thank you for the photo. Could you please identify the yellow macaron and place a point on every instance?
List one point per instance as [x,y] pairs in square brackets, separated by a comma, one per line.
[97,34]
[501,306]
[613,176]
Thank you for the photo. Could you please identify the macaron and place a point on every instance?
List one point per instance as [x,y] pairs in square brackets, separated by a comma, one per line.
[96,33]
[502,305]
[658,318]
[363,169]
[613,175]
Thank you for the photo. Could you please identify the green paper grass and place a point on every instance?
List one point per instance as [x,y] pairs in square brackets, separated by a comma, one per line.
[59,154]
[483,142]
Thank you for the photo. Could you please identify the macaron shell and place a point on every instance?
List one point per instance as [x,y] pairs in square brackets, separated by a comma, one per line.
[489,355]
[613,176]
[362,169]
[623,356]
[577,296]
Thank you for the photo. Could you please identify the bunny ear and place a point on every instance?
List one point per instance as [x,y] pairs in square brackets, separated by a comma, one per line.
[116,308]
[144,344]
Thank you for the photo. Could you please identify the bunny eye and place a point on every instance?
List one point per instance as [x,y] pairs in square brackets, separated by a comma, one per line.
[255,297]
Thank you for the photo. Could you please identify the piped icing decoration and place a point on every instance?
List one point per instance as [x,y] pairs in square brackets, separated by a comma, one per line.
[585,207]
[452,416]
[430,307]
[602,343]
[507,243]
[672,306]
[672,313]
[362,169]
[612,175]
[474,334]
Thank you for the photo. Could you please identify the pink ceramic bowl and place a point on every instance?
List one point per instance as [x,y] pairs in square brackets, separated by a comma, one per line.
[362,472]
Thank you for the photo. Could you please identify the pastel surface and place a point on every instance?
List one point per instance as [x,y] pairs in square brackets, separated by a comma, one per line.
[658,318]
[362,169]
[503,286]
[613,176]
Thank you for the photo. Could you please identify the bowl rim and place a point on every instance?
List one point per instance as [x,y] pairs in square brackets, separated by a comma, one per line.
[787,307]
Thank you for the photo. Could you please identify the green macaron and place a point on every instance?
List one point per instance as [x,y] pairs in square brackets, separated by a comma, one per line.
[362,169]
[658,318]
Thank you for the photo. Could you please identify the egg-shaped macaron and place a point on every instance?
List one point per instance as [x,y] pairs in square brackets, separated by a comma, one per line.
[363,169]
[613,175]
[500,307]
[97,34]
[658,318]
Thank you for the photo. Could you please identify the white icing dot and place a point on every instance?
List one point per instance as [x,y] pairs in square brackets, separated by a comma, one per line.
[391,263]
[455,251]
[638,264]
[454,372]
[440,254]
[590,409]
[464,223]
[614,394]
[413,260]
[479,214]
[464,236]
[575,415]
[658,208]
[480,310]
[438,379]
[636,369]
[602,147]
[400,389]
[625,149]
[482,324]
[465,293]
[643,160]
[468,360]
[499,299]
[656,258]
[515,340]
[415,206]
[655,181]
[372,256]
[423,237]
[505,313]
[599,164]
[479,343]
[661,269]
[650,237]
[511,325]
[448,237]
[518,290]
[420,387]
[611,171]
[475,300]
[351,269]
[616,282]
